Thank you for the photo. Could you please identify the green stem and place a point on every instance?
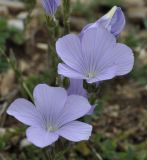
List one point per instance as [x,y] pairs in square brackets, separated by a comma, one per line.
[17,73]
[27,90]
[66,15]
[53,32]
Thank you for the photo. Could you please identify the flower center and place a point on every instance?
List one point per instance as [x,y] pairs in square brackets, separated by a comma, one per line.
[51,128]
[91,74]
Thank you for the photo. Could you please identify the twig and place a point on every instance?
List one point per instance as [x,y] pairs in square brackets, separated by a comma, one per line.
[96,153]
[18,73]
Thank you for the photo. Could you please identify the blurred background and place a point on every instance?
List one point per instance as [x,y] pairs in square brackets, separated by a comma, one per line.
[120,119]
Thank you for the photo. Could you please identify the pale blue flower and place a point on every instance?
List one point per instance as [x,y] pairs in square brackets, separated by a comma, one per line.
[113,21]
[54,114]
[50,6]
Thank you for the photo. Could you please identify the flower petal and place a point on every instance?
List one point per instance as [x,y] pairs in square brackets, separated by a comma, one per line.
[91,110]
[76,87]
[50,6]
[75,107]
[69,50]
[105,74]
[117,22]
[49,100]
[123,58]
[40,137]
[24,111]
[113,21]
[75,131]
[67,71]
[95,42]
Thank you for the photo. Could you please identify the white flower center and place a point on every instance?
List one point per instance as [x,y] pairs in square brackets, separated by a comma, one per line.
[91,75]
[51,128]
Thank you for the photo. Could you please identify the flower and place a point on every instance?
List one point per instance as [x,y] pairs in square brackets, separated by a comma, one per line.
[94,57]
[113,21]
[54,114]
[76,88]
[50,6]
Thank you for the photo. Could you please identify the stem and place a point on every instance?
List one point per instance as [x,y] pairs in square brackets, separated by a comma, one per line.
[50,153]
[66,14]
[53,31]
[18,73]
[96,153]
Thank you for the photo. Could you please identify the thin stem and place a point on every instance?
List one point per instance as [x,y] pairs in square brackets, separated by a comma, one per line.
[53,31]
[96,153]
[17,72]
[50,152]
[66,15]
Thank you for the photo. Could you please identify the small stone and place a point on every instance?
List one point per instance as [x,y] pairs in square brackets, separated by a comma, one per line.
[42,46]
[143,56]
[16,23]
[24,143]
[23,65]
[22,15]
[2,132]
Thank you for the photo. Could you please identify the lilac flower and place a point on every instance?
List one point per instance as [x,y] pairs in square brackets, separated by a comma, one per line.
[113,21]
[76,88]
[94,57]
[50,6]
[55,115]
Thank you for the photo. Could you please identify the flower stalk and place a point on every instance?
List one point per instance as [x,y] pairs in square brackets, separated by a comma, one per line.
[66,14]
[13,65]
[53,32]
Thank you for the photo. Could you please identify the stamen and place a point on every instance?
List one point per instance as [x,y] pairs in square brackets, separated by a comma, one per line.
[51,128]
[91,75]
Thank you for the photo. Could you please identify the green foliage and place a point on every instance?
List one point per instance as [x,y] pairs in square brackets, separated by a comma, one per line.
[32,81]
[132,40]
[140,74]
[9,135]
[3,32]
[16,36]
[110,150]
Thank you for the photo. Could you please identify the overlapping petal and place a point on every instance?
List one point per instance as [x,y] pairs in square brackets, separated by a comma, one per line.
[75,107]
[49,100]
[75,131]
[40,137]
[67,71]
[69,50]
[76,87]
[95,43]
[113,21]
